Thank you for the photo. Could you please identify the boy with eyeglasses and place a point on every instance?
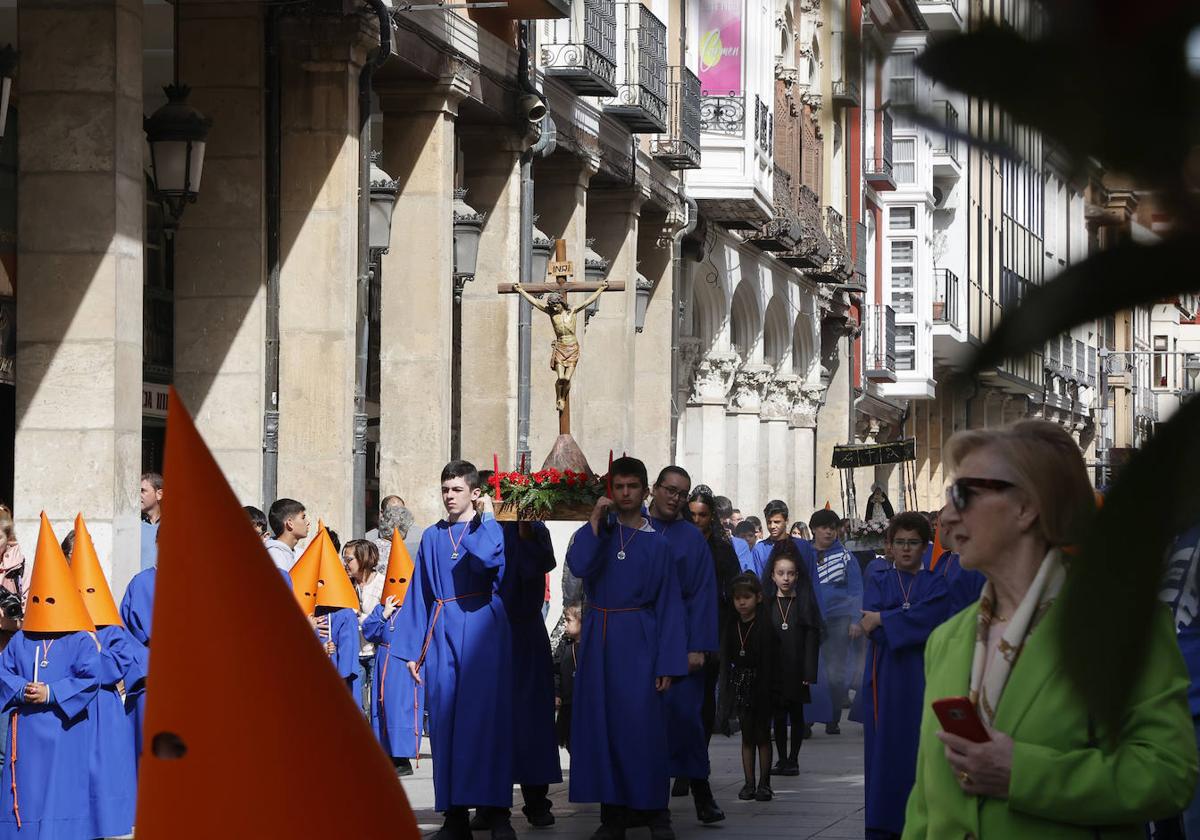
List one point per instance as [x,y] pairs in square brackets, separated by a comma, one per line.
[901,606]
[839,592]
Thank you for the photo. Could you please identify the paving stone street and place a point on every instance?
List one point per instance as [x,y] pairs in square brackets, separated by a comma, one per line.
[824,801]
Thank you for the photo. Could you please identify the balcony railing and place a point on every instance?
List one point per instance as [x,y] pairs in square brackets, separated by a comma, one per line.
[764,125]
[860,254]
[782,231]
[641,100]
[946,144]
[879,344]
[812,245]
[679,148]
[877,168]
[839,267]
[582,50]
[845,88]
[946,296]
[723,115]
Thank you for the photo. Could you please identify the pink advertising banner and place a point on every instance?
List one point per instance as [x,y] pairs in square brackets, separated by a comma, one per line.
[720,47]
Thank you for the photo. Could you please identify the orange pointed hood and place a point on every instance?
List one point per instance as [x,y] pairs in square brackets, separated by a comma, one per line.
[334,588]
[89,577]
[938,550]
[257,765]
[399,571]
[54,604]
[306,570]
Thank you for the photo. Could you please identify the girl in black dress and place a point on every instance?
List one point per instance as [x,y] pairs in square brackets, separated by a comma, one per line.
[793,614]
[749,685]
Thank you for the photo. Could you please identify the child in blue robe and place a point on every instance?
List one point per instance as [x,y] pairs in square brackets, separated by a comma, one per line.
[901,607]
[839,592]
[137,612]
[397,703]
[454,634]
[48,684]
[632,643]
[337,628]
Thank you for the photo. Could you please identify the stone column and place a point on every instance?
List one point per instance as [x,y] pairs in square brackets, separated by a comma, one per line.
[79,247]
[745,400]
[602,395]
[417,290]
[834,417]
[652,387]
[219,249]
[492,173]
[321,60]
[777,455]
[687,356]
[704,444]
[803,424]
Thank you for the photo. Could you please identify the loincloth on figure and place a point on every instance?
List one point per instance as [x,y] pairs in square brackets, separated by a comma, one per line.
[564,354]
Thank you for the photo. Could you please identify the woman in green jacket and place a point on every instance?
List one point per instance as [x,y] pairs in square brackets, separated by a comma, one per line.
[1049,771]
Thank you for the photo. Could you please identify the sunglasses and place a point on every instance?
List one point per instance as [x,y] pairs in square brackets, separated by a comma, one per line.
[960,492]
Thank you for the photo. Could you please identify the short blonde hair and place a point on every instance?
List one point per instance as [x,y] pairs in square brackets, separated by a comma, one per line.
[1046,464]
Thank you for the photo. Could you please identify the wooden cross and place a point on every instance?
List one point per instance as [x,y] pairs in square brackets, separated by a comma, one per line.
[560,280]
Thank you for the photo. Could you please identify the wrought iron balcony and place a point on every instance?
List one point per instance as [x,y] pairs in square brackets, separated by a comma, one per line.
[723,115]
[946,144]
[641,100]
[877,168]
[679,148]
[812,246]
[846,90]
[860,255]
[582,50]
[946,295]
[838,268]
[764,125]
[879,342]
[782,230]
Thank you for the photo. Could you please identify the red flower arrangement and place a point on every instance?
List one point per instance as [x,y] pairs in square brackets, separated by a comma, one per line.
[540,494]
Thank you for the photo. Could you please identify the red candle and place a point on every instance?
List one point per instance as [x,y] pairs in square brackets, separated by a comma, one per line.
[496,474]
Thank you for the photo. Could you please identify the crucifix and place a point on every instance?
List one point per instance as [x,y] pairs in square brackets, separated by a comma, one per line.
[564,350]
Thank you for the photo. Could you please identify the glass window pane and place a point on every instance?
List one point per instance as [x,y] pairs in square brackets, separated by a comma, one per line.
[902,218]
[902,302]
[902,277]
[902,251]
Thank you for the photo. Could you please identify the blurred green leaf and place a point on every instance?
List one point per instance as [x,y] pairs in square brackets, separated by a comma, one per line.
[1118,278]
[1112,588]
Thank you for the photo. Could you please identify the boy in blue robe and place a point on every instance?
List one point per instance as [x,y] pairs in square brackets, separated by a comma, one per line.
[528,557]
[632,644]
[840,593]
[336,612]
[696,571]
[723,510]
[454,627]
[137,613]
[901,607]
[113,769]
[48,686]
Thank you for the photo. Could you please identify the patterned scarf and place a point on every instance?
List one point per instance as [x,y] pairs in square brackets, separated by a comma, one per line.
[986,690]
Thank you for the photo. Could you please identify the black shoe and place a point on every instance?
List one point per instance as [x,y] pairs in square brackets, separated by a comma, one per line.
[747,792]
[680,787]
[540,819]
[502,828]
[709,812]
[833,729]
[787,768]
[403,766]
[612,823]
[780,766]
[764,793]
[660,825]
[455,827]
[482,820]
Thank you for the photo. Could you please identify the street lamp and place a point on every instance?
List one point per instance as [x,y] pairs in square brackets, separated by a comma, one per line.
[384,190]
[8,69]
[595,269]
[468,228]
[177,133]
[543,247]
[1191,367]
[642,302]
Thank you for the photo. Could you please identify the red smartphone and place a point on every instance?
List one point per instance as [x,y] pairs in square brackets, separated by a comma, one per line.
[958,717]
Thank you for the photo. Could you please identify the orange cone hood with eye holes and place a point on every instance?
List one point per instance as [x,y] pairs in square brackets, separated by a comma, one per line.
[305,572]
[334,588]
[209,773]
[399,571]
[54,604]
[89,577]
